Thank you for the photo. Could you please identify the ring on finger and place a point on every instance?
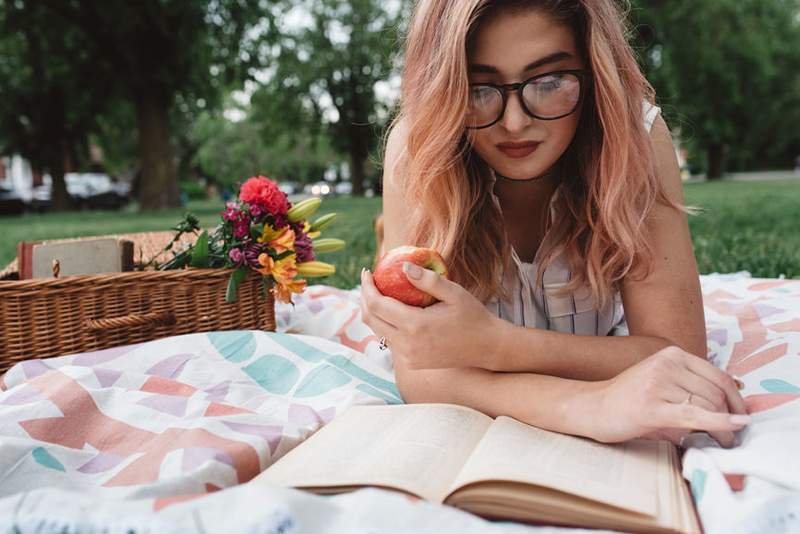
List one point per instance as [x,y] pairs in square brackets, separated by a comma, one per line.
[382,343]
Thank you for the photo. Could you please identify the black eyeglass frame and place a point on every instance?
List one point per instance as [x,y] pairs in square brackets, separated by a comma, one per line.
[584,79]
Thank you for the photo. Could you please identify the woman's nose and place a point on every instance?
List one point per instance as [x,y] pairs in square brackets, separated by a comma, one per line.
[515,119]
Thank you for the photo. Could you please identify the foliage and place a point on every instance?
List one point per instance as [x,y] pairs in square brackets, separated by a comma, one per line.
[324,71]
[47,103]
[227,150]
[160,54]
[727,72]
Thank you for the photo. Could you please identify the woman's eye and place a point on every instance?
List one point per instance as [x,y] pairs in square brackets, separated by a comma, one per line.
[549,83]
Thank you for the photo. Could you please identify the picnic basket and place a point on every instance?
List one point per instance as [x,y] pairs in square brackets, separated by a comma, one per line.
[52,317]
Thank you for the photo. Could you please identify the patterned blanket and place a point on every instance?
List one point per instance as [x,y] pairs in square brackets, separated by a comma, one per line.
[154,431]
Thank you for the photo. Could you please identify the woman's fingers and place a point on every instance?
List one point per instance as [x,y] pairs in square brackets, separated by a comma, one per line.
[701,387]
[721,379]
[687,415]
[724,438]
[388,309]
[378,325]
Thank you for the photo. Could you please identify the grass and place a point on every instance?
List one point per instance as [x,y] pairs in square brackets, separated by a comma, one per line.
[353,224]
[753,226]
[747,226]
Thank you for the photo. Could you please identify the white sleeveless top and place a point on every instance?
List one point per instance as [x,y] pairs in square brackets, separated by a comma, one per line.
[532,301]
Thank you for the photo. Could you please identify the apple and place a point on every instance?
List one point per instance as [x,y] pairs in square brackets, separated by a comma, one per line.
[391,281]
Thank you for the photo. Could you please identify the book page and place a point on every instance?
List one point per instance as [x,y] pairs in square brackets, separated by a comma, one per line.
[622,475]
[418,448]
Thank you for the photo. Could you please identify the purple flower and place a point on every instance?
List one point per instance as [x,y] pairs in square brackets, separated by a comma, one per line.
[302,244]
[236,256]
[232,212]
[251,253]
[241,228]
[280,221]
[256,211]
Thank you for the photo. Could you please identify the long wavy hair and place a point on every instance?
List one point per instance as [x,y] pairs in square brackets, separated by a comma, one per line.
[609,183]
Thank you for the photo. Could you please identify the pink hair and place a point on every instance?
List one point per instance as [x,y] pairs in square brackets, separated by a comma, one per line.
[610,187]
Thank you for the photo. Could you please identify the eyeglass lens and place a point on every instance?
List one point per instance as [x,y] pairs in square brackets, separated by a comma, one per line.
[546,97]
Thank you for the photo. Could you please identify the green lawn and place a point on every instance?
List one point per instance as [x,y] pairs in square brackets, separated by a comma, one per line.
[353,224]
[747,226]
[753,226]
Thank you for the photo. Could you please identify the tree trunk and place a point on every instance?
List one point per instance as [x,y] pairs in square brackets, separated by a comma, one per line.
[60,199]
[716,154]
[357,160]
[158,188]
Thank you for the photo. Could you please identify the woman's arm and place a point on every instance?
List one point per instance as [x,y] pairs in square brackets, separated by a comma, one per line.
[649,399]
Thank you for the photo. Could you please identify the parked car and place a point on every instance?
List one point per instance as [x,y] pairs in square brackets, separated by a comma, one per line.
[318,189]
[290,188]
[343,188]
[88,191]
[10,202]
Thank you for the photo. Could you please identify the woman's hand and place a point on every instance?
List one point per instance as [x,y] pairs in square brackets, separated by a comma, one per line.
[457,331]
[666,396]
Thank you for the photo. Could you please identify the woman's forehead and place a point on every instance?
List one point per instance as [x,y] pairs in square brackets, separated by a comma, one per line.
[513,40]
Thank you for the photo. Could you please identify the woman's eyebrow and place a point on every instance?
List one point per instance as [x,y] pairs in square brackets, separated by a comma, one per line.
[552,58]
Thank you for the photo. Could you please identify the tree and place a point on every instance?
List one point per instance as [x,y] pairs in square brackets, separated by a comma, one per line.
[731,67]
[158,51]
[46,111]
[229,152]
[327,59]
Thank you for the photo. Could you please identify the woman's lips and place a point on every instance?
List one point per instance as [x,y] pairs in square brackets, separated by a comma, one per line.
[518,150]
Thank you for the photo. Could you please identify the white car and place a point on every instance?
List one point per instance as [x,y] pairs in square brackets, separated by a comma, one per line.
[318,189]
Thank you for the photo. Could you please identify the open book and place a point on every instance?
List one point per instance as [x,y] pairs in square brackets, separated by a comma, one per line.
[497,468]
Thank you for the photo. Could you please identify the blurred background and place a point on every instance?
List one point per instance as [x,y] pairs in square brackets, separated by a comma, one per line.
[118,116]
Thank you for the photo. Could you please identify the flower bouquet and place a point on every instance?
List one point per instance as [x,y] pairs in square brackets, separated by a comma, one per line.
[261,233]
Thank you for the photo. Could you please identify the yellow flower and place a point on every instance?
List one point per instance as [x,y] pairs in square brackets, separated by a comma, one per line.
[268,234]
[283,292]
[266,263]
[284,241]
[309,233]
[284,271]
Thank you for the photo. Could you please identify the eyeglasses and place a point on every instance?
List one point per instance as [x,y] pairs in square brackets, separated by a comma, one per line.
[547,97]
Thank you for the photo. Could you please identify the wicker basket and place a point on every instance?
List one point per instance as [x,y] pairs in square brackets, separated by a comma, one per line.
[53,317]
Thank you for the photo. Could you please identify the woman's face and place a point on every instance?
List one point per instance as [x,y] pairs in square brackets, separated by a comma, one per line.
[510,47]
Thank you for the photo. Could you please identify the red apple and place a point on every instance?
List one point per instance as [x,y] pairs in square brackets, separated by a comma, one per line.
[391,281]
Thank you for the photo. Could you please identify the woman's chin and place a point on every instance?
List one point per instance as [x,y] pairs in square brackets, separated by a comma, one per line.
[518,170]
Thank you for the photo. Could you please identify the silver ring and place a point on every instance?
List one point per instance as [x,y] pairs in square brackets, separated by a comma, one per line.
[382,343]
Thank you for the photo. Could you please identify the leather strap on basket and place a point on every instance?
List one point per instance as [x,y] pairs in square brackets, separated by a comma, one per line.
[162,318]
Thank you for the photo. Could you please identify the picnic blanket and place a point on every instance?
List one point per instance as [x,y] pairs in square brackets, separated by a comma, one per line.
[160,436]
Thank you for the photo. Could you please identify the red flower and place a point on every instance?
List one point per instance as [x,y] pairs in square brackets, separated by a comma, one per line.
[263,192]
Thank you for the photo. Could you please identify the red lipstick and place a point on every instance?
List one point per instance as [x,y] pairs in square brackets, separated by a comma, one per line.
[517,150]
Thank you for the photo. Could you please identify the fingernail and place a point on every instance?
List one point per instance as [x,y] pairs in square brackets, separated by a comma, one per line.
[413,271]
[738,419]
[363,269]
[738,381]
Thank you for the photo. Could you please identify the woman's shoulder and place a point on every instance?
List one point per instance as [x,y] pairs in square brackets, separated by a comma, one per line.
[394,147]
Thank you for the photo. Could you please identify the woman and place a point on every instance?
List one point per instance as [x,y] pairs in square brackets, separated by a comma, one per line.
[527,152]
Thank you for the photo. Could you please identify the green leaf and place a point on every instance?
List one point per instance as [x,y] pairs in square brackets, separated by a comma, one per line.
[200,251]
[284,254]
[237,277]
[256,230]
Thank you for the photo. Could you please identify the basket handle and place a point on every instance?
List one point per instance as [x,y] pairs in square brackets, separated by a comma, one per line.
[162,318]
